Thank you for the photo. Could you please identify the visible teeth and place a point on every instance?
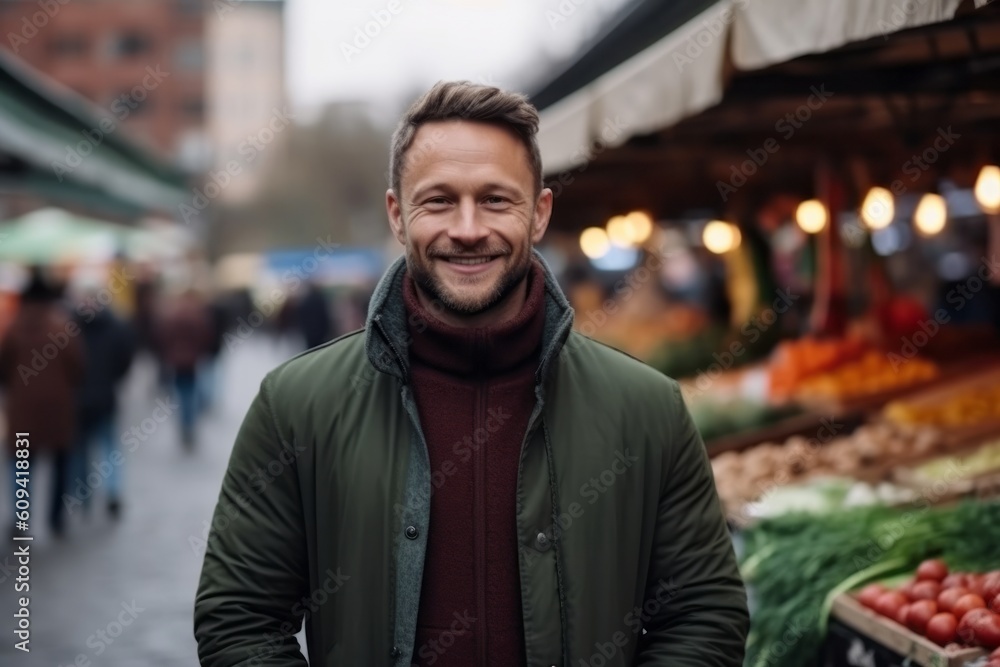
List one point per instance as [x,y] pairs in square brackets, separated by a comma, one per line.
[469,260]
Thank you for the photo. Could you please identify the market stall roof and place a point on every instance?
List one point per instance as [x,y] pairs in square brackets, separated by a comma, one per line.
[51,234]
[872,107]
[42,127]
[662,62]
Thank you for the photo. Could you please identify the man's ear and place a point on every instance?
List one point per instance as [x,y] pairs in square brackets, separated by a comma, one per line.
[543,212]
[394,210]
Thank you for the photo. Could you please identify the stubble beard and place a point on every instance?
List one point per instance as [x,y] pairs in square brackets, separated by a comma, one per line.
[466,305]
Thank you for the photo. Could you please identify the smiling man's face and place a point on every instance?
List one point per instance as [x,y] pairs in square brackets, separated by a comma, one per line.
[468,215]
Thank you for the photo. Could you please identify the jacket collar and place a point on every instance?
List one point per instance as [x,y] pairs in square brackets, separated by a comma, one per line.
[387,339]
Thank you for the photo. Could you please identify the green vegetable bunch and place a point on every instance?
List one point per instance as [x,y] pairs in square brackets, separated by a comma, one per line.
[796,564]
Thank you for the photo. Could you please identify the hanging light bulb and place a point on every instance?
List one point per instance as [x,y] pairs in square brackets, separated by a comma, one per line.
[931,214]
[988,189]
[594,242]
[878,208]
[720,237]
[811,216]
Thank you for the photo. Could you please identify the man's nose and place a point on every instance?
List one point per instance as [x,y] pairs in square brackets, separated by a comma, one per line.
[468,227]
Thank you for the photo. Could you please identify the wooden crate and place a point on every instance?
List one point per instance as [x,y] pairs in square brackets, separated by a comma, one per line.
[897,638]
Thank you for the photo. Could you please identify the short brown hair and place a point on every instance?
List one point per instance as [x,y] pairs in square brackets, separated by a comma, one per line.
[464,100]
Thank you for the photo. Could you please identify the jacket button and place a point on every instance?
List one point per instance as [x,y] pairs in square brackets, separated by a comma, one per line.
[395,652]
[411,532]
[542,542]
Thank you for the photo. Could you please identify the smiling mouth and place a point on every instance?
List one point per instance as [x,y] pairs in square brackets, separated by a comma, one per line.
[469,261]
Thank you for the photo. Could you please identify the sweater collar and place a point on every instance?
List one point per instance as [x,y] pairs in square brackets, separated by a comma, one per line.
[482,350]
[387,339]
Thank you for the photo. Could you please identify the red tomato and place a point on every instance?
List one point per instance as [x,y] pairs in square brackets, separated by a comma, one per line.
[967,603]
[995,654]
[919,614]
[955,580]
[995,605]
[941,628]
[967,624]
[901,614]
[888,604]
[976,582]
[870,593]
[926,590]
[933,570]
[991,586]
[987,630]
[907,588]
[949,596]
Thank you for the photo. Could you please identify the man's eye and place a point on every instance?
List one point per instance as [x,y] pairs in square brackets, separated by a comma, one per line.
[495,199]
[437,201]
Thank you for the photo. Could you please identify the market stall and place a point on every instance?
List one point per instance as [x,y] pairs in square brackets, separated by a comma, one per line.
[801,222]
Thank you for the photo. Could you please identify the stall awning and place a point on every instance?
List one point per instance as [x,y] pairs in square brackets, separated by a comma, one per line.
[54,141]
[684,72]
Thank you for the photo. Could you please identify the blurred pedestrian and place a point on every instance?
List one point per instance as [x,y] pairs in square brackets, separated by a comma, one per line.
[208,371]
[110,345]
[41,367]
[184,335]
[313,314]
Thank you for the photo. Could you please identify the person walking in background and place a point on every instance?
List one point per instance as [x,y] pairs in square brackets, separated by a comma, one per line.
[184,335]
[313,316]
[110,345]
[41,367]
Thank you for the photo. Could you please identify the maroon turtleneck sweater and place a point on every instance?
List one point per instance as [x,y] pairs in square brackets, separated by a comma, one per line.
[474,390]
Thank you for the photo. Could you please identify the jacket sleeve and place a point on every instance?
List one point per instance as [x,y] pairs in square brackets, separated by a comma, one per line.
[703,619]
[254,578]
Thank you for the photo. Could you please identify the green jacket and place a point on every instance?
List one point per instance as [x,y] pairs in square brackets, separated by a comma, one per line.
[625,558]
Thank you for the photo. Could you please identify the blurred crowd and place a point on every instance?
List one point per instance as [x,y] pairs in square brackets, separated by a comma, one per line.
[68,342]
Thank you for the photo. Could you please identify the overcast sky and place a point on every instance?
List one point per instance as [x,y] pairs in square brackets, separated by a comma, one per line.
[502,42]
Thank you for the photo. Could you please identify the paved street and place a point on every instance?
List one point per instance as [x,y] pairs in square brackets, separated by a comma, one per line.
[122,593]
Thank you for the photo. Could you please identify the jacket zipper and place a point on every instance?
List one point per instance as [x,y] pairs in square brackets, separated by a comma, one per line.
[480,524]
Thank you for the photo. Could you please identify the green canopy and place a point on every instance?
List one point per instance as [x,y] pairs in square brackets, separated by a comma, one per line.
[50,234]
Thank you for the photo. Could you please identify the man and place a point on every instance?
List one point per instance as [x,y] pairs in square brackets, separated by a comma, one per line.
[465,481]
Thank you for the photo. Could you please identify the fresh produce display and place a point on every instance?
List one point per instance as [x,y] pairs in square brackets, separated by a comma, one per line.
[984,460]
[795,360]
[822,495]
[715,419]
[743,477]
[872,374]
[955,609]
[971,407]
[797,565]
